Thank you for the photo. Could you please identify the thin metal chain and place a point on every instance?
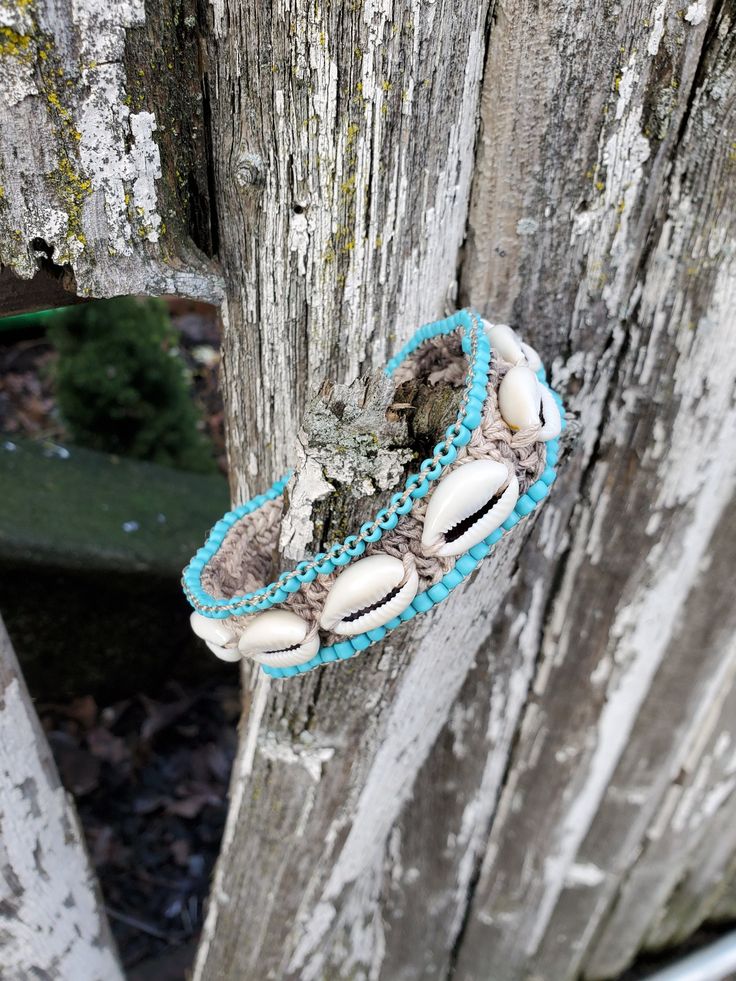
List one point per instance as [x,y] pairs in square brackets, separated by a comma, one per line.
[365,532]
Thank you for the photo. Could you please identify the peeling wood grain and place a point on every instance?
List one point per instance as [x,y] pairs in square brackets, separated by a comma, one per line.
[525,784]
[586,782]
[462,815]
[52,923]
[80,164]
[345,137]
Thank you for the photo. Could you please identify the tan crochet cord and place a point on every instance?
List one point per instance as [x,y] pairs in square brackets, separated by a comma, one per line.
[247,557]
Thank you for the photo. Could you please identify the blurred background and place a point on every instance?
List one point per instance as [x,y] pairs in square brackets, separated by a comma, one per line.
[112,465]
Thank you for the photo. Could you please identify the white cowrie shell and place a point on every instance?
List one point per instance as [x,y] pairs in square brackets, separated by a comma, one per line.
[367,595]
[224,653]
[468,505]
[532,358]
[275,638]
[505,342]
[519,398]
[215,631]
[549,416]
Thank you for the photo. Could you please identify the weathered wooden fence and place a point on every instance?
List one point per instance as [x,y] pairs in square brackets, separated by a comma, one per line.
[536,781]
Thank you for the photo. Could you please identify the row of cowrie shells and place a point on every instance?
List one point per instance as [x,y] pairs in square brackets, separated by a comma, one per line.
[465,507]
[522,400]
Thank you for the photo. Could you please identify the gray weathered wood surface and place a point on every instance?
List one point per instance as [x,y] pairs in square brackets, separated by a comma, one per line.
[538,779]
[52,923]
[528,785]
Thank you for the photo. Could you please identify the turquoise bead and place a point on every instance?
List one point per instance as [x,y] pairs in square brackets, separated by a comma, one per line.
[344,649]
[538,491]
[402,508]
[463,437]
[355,546]
[432,472]
[513,519]
[525,505]
[290,672]
[494,537]
[549,476]
[378,633]
[465,564]
[292,585]
[279,596]
[421,490]
[465,344]
[451,579]
[393,624]
[479,551]
[408,614]
[368,535]
[328,654]
[472,417]
[309,576]
[342,559]
[449,456]
[422,603]
[438,592]
[479,392]
[325,565]
[360,642]
[387,523]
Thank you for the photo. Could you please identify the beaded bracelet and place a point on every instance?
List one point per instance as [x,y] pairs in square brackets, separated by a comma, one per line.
[495,463]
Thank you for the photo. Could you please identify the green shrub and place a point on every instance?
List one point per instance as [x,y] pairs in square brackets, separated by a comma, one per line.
[121,385]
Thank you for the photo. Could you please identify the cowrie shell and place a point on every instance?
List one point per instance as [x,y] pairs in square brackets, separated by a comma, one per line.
[519,398]
[224,653]
[215,631]
[549,416]
[276,638]
[367,595]
[505,342]
[468,505]
[524,402]
[532,358]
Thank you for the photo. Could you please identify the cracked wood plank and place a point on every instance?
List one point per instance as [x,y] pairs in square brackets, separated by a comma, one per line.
[644,303]
[344,138]
[52,924]
[448,831]
[344,153]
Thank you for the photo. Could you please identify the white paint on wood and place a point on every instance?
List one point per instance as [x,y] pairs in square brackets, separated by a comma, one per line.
[696,12]
[79,168]
[52,924]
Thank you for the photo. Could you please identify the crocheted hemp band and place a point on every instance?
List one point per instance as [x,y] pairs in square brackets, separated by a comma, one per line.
[493,466]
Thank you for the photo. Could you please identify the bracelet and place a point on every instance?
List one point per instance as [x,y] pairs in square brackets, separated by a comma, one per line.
[493,466]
